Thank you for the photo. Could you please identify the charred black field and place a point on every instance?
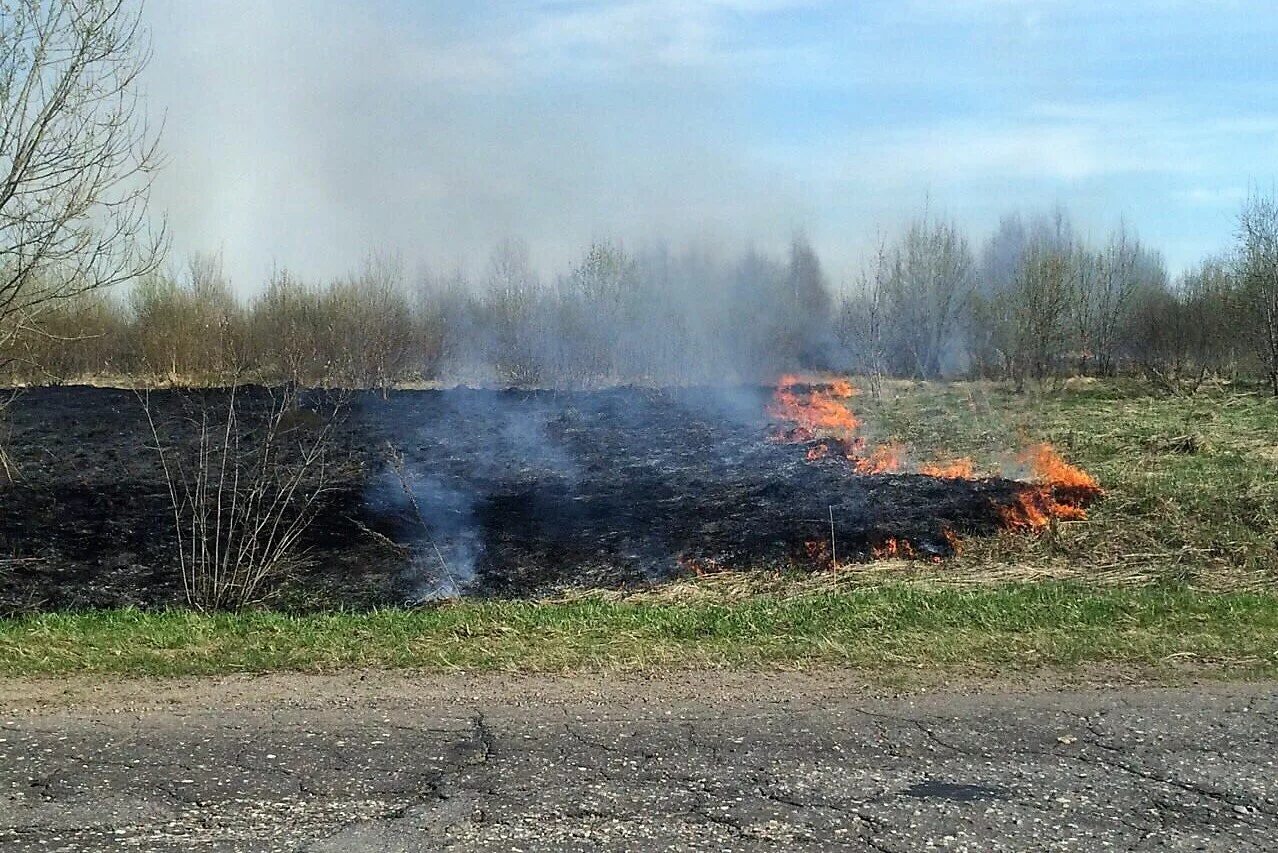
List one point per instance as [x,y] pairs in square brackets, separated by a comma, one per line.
[487,493]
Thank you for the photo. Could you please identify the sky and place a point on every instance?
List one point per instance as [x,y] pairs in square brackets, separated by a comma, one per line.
[308,134]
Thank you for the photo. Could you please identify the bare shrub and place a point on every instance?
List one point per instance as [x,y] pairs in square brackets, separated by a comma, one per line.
[1043,302]
[244,485]
[371,325]
[287,324]
[188,328]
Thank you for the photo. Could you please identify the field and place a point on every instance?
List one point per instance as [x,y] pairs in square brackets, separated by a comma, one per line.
[488,493]
[1174,568]
[1191,482]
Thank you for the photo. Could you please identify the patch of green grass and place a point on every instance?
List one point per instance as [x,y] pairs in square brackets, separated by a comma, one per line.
[1191,482]
[895,627]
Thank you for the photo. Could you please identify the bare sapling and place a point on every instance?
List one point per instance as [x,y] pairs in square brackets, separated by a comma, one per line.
[244,485]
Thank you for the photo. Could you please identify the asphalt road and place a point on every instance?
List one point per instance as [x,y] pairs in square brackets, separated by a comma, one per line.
[692,762]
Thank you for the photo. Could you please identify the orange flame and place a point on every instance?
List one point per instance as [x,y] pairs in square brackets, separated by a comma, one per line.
[1059,491]
[892,547]
[885,459]
[817,410]
[1030,511]
[815,413]
[956,544]
[956,469]
[1050,468]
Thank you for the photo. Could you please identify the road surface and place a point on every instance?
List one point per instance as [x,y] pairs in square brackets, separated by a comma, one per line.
[385,762]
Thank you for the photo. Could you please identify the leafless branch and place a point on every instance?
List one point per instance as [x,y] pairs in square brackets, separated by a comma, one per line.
[77,155]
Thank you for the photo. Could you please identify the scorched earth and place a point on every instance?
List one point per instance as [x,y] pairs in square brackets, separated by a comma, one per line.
[506,493]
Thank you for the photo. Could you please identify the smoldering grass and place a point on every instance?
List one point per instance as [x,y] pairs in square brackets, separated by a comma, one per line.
[1014,627]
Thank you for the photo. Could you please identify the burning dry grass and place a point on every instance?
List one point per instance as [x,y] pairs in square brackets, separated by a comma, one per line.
[1191,487]
[816,413]
[957,469]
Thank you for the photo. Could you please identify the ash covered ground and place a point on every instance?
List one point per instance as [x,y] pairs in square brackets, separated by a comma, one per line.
[504,493]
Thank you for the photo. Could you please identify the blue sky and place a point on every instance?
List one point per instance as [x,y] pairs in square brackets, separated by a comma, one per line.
[307,133]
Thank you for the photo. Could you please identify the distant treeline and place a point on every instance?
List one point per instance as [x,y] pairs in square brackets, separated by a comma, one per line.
[1035,303]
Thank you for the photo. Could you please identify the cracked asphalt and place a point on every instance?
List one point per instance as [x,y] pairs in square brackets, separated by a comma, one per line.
[700,761]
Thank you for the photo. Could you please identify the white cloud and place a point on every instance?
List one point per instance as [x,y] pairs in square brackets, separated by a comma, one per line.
[958,152]
[1212,196]
[658,34]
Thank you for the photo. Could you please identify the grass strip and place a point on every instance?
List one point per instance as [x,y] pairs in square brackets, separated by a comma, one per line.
[1014,627]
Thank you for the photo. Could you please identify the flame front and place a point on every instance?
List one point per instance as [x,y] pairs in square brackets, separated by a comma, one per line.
[893,548]
[817,414]
[1059,491]
[884,459]
[819,410]
[956,469]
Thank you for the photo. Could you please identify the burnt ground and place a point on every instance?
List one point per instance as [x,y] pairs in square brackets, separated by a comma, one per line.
[513,493]
[702,761]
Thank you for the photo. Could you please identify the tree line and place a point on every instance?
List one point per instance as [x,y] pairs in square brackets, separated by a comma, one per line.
[1038,302]
[1034,303]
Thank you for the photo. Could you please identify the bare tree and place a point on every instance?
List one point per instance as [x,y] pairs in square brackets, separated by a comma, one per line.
[861,322]
[1106,283]
[1028,318]
[511,301]
[931,282]
[446,318]
[76,154]
[1258,276]
[371,322]
[1209,300]
[287,319]
[80,338]
[755,307]
[808,305]
[601,288]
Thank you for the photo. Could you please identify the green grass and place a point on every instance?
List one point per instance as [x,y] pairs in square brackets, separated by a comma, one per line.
[885,629]
[1191,482]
